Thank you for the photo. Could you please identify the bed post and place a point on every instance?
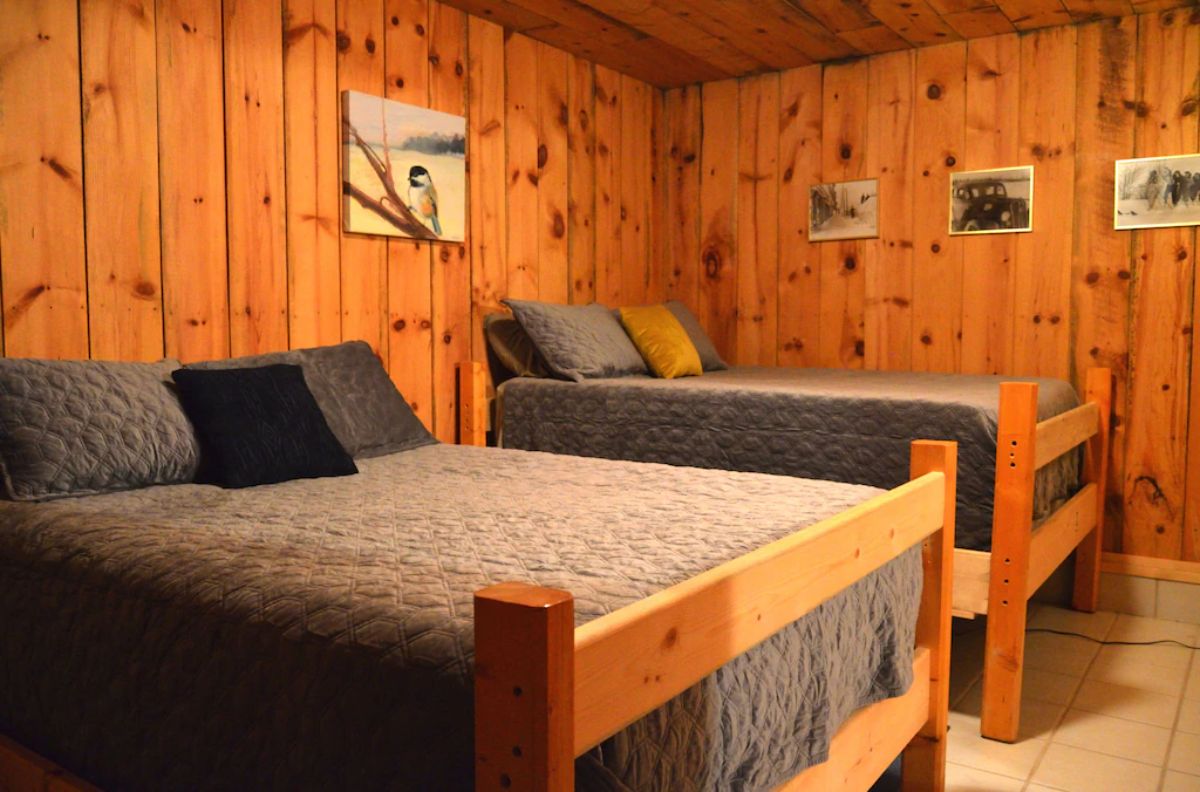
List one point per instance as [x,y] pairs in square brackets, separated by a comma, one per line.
[524,689]
[1086,596]
[472,404]
[1012,531]
[924,763]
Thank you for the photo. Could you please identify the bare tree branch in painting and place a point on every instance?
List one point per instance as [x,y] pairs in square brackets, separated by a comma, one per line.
[390,206]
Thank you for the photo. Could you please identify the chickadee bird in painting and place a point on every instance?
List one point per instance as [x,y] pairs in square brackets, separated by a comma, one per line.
[422,197]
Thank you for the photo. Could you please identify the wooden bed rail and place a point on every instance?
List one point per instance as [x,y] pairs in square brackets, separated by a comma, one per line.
[472,404]
[547,692]
[1021,558]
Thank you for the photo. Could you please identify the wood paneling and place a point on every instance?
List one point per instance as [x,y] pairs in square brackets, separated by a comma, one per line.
[191,161]
[201,140]
[44,281]
[674,42]
[1071,294]
[120,142]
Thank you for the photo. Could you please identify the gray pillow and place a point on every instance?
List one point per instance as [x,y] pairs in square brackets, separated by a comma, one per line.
[84,427]
[578,342]
[367,414]
[512,347]
[710,359]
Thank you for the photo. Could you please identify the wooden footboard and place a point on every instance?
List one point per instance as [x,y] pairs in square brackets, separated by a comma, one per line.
[546,692]
[1022,558]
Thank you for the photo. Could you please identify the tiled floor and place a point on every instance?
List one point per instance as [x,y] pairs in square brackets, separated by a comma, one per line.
[1094,718]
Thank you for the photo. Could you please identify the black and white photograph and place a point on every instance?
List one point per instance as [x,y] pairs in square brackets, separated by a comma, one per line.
[998,201]
[1156,192]
[843,210]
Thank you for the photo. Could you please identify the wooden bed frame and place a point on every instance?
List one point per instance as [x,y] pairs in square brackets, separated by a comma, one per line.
[1000,583]
[546,691]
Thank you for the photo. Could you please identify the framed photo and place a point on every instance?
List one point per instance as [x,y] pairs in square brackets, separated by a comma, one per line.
[843,210]
[997,201]
[1157,192]
[404,169]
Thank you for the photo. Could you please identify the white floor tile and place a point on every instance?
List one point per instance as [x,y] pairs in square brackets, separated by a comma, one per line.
[1060,654]
[1047,686]
[966,747]
[1119,701]
[1140,742]
[1038,718]
[1094,625]
[1179,782]
[1185,753]
[960,778]
[1168,656]
[1193,684]
[1189,716]
[1077,770]
[1120,669]
[1139,628]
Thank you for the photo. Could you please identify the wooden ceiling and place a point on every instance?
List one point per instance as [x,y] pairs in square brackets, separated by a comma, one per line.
[675,42]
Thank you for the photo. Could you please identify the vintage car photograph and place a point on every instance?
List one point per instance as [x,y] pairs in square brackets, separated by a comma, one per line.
[991,201]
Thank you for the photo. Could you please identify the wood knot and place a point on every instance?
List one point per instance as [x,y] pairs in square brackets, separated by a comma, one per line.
[935,247]
[845,152]
[671,638]
[558,226]
[712,264]
[343,41]
[934,91]
[1092,278]
[926,339]
[860,348]
[951,161]
[370,45]
[145,289]
[850,264]
[543,154]
[399,325]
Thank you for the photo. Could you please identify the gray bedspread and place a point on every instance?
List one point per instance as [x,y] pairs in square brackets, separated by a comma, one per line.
[318,634]
[831,424]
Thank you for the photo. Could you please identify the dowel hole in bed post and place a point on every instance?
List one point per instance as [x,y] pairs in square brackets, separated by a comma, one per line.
[505,781]
[517,691]
[517,751]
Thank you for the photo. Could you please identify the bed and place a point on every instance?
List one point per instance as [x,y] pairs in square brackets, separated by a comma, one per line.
[347,632]
[1019,464]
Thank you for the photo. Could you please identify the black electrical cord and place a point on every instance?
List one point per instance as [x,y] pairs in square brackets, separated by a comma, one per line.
[1110,643]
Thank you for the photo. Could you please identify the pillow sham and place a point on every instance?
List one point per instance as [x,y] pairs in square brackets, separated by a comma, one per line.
[662,341]
[710,359]
[364,410]
[578,342]
[259,426]
[512,347]
[85,427]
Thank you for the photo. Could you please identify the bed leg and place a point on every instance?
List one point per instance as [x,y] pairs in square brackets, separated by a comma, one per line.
[1012,531]
[472,404]
[1086,596]
[524,689]
[923,767]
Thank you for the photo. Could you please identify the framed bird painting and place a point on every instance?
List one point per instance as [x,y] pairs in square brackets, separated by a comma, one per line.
[403,170]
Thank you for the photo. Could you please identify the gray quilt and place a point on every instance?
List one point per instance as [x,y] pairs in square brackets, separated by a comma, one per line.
[831,424]
[317,634]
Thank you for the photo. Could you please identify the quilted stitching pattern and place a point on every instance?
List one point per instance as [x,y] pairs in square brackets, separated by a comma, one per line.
[318,634]
[815,423]
[578,341]
[86,427]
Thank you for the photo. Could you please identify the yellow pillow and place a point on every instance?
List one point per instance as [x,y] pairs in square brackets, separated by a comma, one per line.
[663,342]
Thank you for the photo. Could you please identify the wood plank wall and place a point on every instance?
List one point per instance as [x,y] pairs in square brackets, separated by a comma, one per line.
[1072,294]
[169,182]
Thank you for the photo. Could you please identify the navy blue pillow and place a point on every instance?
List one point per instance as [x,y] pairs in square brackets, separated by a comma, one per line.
[259,426]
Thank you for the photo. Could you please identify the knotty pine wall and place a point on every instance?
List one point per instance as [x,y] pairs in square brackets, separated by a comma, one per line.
[1072,294]
[169,181]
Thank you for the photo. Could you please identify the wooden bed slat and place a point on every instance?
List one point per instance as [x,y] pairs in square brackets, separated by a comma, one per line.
[1059,535]
[1058,435]
[630,661]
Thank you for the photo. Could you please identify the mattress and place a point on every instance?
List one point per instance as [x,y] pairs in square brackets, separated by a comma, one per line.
[833,424]
[318,634]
